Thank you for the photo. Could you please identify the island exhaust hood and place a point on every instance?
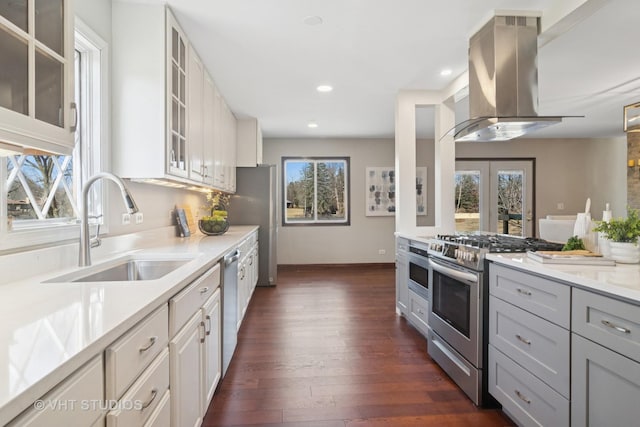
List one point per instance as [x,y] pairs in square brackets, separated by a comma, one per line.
[503,82]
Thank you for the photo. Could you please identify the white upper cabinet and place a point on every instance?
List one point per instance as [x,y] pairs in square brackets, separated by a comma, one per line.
[208,145]
[169,120]
[195,100]
[249,143]
[149,111]
[224,145]
[36,75]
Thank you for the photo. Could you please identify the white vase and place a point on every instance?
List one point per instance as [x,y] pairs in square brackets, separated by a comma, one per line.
[625,252]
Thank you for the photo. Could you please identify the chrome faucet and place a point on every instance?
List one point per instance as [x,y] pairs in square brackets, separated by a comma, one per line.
[86,243]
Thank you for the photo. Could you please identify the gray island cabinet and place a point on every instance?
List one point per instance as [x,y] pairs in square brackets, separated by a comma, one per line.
[560,353]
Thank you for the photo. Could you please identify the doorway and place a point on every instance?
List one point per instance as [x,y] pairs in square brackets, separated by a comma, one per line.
[495,195]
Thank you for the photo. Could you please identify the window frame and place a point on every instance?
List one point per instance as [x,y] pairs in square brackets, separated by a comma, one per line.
[95,93]
[347,191]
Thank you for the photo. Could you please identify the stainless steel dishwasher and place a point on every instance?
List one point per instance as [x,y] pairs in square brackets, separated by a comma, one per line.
[229,307]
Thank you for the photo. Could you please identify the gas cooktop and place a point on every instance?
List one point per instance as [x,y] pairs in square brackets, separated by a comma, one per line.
[470,249]
[501,242]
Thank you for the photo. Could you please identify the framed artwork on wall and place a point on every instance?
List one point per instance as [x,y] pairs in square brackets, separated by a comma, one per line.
[380,191]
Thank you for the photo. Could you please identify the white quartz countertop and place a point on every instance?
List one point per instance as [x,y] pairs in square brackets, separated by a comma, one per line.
[49,330]
[621,281]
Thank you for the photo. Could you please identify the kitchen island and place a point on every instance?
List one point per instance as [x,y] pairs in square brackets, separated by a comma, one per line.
[564,342]
[50,331]
[621,281]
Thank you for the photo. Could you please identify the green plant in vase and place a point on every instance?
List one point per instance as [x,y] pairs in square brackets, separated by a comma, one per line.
[622,234]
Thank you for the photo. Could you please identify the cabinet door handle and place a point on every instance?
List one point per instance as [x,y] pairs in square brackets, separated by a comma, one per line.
[74,126]
[208,332]
[204,329]
[524,340]
[152,341]
[145,405]
[522,397]
[616,327]
[204,290]
[524,292]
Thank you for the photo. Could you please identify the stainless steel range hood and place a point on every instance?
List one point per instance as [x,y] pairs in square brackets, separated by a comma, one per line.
[503,81]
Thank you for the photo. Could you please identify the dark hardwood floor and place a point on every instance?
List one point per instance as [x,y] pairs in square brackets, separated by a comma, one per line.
[325,349]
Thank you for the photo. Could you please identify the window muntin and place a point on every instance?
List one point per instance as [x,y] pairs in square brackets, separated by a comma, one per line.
[39,191]
[316,191]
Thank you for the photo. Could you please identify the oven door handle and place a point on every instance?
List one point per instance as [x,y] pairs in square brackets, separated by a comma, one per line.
[460,275]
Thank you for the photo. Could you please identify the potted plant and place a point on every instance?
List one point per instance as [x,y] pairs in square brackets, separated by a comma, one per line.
[623,234]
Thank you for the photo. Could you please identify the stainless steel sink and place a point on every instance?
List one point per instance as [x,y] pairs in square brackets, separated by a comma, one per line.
[124,270]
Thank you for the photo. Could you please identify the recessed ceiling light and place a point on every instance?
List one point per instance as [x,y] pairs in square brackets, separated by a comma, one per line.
[313,20]
[446,72]
[312,125]
[324,88]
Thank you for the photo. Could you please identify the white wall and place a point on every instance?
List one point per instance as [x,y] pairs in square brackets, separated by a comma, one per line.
[356,243]
[155,202]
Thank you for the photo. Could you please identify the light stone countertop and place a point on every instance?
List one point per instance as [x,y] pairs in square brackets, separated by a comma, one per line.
[621,281]
[49,330]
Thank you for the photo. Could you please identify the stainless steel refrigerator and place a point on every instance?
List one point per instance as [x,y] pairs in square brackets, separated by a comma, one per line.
[255,203]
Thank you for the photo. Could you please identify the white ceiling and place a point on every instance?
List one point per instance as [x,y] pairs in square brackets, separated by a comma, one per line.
[267,62]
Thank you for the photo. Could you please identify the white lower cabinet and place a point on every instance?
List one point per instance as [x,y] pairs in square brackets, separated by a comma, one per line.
[561,355]
[140,401]
[402,276]
[77,401]
[130,354]
[248,272]
[605,376]
[195,350]
[212,348]
[418,312]
[528,400]
[529,348]
[605,386]
[161,416]
[185,374]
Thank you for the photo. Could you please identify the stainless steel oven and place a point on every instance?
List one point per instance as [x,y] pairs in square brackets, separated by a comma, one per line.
[455,319]
[419,269]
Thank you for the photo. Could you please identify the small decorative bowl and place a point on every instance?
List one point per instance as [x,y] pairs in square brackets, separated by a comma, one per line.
[214,226]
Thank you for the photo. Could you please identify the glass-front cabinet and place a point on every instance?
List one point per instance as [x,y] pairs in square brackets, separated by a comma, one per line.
[174,120]
[177,98]
[36,76]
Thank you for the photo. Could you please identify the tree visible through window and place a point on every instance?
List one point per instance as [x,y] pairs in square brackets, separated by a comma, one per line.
[316,191]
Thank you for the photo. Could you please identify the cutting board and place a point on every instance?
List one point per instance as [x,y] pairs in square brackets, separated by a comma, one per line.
[578,257]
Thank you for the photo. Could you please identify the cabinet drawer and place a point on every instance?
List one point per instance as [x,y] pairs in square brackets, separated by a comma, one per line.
[527,399]
[537,345]
[609,322]
[77,401]
[132,353]
[419,312]
[161,417]
[144,395]
[543,297]
[189,300]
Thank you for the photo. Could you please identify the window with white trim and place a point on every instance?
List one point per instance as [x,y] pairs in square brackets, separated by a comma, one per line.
[316,191]
[40,192]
